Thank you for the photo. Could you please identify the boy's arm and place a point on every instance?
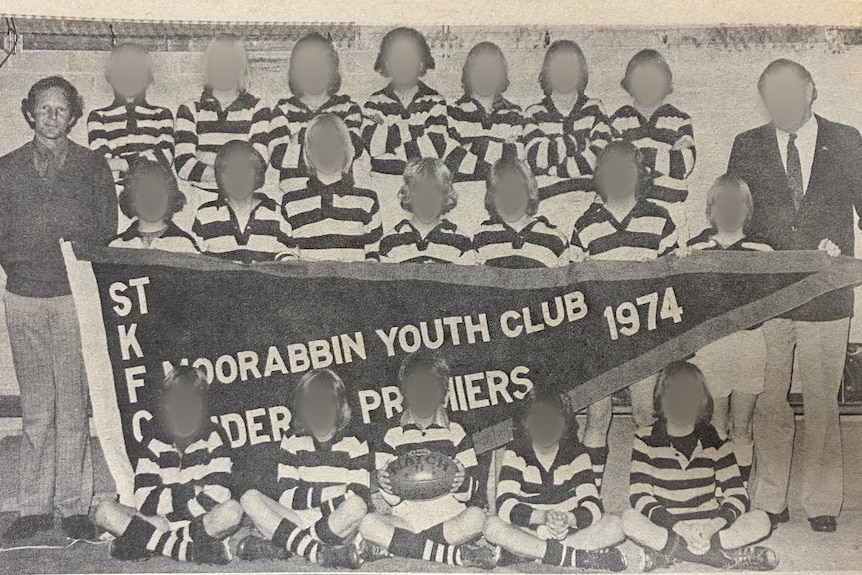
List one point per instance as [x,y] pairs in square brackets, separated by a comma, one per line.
[510,508]
[730,489]
[669,238]
[151,495]
[166,144]
[97,138]
[214,487]
[285,238]
[188,166]
[466,456]
[641,490]
[278,138]
[373,232]
[571,155]
[258,133]
[382,458]
[583,495]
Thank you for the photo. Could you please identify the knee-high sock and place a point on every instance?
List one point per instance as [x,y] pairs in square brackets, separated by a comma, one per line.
[176,544]
[598,459]
[559,555]
[323,533]
[418,546]
[296,540]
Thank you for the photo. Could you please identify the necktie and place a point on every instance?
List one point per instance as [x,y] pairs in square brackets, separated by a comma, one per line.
[794,171]
[49,165]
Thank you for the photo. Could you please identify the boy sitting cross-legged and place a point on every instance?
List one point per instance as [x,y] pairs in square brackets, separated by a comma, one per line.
[441,529]
[548,505]
[183,506]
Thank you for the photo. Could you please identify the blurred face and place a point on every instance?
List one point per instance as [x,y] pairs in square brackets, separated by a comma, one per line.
[184,411]
[320,409]
[404,62]
[564,72]
[326,150]
[729,210]
[546,425]
[648,85]
[130,74]
[312,70]
[224,67]
[511,197]
[787,98]
[618,178]
[52,114]
[487,75]
[682,400]
[151,198]
[238,176]
[427,198]
[424,393]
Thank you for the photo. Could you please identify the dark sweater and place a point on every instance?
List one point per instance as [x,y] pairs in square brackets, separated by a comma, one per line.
[80,205]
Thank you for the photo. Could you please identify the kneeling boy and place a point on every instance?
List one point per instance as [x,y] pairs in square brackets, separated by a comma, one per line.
[183,506]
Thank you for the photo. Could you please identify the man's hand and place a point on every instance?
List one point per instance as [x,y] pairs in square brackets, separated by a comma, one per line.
[828,246]
[384,481]
[460,475]
[557,523]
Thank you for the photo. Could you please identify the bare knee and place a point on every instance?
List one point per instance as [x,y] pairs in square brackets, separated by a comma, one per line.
[473,518]
[104,511]
[760,524]
[371,525]
[251,500]
[354,507]
[630,520]
[495,530]
[230,512]
[612,527]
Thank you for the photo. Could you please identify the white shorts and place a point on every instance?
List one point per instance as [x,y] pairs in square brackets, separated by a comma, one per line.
[421,515]
[734,363]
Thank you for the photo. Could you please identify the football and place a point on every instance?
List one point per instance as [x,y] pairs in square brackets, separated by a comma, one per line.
[422,475]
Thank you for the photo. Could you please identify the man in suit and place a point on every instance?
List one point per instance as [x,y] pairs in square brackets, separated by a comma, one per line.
[805,175]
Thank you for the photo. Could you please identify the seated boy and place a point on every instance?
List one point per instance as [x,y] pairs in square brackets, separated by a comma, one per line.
[548,505]
[438,530]
[183,506]
[688,498]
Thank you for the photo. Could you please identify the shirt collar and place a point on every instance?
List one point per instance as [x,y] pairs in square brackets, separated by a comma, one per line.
[422,89]
[807,132]
[139,100]
[59,150]
[705,432]
[243,100]
[441,418]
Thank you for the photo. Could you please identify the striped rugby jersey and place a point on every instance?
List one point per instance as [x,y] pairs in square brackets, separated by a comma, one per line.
[539,244]
[646,233]
[655,137]
[704,241]
[562,151]
[419,130]
[290,118]
[128,130]
[266,237]
[568,486]
[489,135]
[667,487]
[311,473]
[173,239]
[203,127]
[444,436]
[183,485]
[443,244]
[336,222]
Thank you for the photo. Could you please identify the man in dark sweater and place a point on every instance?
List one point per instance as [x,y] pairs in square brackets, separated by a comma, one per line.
[805,175]
[51,188]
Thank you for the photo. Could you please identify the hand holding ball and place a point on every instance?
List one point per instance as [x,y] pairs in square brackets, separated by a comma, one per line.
[422,475]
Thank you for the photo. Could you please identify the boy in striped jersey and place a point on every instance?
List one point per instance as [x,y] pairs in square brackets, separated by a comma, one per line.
[314,80]
[548,505]
[427,237]
[131,128]
[484,123]
[662,132]
[151,197]
[182,484]
[565,134]
[323,482]
[406,119]
[226,111]
[621,225]
[242,224]
[513,236]
[441,529]
[734,385]
[331,218]
[688,498]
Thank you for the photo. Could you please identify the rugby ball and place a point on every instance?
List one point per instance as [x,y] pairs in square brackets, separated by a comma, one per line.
[422,475]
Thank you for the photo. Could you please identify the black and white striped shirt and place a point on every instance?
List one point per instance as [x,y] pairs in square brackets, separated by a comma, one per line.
[667,486]
[562,151]
[266,236]
[337,222]
[705,240]
[656,137]
[646,233]
[538,244]
[443,244]
[568,485]
[312,473]
[172,239]
[128,130]
[183,485]
[290,118]
[203,127]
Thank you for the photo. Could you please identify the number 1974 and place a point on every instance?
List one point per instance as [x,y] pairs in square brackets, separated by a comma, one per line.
[627,319]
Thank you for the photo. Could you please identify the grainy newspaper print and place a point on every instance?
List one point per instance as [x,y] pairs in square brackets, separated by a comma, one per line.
[505,287]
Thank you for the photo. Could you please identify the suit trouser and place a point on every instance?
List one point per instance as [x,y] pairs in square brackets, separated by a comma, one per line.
[820,349]
[56,468]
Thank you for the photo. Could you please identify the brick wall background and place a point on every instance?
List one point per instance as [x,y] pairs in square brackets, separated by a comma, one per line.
[715,77]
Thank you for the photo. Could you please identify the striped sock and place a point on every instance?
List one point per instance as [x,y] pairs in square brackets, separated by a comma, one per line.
[176,544]
[416,546]
[559,555]
[323,533]
[297,541]
[328,507]
[598,458]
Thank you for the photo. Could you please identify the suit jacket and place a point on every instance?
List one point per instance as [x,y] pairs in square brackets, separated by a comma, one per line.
[834,189]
